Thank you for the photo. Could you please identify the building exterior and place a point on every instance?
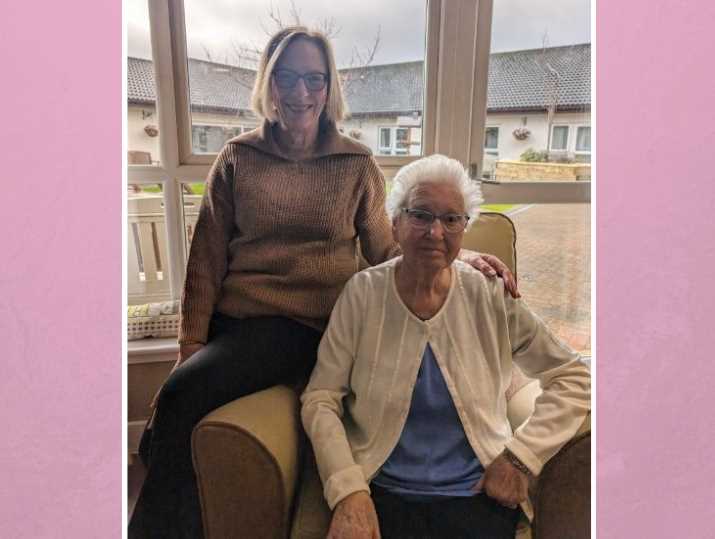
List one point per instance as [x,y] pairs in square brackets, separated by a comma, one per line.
[537,99]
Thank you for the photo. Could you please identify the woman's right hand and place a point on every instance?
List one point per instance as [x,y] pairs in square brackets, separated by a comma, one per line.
[185,352]
[355,518]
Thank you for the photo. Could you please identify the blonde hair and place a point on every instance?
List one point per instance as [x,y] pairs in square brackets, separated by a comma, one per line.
[434,169]
[262,101]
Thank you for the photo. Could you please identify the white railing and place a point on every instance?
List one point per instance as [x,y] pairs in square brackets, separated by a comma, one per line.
[147,260]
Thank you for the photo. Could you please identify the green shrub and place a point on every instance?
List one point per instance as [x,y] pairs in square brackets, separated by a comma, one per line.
[532,156]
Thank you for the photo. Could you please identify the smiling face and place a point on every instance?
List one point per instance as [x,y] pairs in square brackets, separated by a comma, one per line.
[431,248]
[300,107]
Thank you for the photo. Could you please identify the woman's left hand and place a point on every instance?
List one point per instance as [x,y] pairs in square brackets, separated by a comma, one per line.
[491,266]
[504,482]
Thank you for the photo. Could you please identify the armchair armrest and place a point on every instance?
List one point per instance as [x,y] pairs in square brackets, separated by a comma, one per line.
[562,501]
[246,461]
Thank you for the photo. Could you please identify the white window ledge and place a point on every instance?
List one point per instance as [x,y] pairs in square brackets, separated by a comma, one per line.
[152,350]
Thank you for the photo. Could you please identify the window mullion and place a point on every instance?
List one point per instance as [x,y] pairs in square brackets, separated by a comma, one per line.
[462,66]
[482,46]
[160,23]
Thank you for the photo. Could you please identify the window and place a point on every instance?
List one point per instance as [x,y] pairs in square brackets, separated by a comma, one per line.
[491,141]
[142,116]
[560,137]
[382,78]
[398,141]
[385,141]
[196,95]
[539,95]
[211,138]
[583,139]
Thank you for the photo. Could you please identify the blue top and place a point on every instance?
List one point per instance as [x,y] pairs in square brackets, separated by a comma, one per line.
[432,458]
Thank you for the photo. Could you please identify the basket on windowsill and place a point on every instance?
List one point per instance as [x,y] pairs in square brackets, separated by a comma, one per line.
[153,320]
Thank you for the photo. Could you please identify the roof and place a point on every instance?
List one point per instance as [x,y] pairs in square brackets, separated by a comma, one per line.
[389,88]
[525,80]
[214,87]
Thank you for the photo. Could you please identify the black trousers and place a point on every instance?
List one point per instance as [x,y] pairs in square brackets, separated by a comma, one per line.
[475,517]
[241,357]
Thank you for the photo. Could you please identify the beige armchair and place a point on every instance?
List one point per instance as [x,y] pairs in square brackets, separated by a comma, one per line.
[257,476]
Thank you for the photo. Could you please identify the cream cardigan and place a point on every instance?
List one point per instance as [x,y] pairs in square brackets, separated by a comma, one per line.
[358,398]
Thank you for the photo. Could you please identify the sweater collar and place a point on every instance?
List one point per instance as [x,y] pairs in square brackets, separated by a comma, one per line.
[330,142]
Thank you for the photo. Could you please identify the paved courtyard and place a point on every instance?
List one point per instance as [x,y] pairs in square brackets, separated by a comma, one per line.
[554,267]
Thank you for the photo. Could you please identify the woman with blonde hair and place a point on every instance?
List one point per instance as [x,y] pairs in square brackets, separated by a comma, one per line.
[275,241]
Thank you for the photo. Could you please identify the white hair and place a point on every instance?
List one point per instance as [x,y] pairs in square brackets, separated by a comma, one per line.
[434,169]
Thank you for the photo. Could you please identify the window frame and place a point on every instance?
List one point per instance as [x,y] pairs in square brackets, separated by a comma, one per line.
[384,150]
[458,33]
[566,142]
[488,150]
[575,144]
[392,150]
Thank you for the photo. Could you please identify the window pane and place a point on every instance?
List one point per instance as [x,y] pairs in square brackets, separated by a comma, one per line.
[402,141]
[539,78]
[491,138]
[381,62]
[538,90]
[210,138]
[583,139]
[385,138]
[554,266]
[142,121]
[560,138]
[147,262]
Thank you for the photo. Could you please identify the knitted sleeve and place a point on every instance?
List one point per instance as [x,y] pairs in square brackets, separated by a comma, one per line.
[371,220]
[208,257]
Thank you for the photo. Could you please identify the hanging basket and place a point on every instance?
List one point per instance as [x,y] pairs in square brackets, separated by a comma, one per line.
[521,133]
[151,130]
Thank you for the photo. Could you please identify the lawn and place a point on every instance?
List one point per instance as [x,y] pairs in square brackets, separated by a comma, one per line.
[501,208]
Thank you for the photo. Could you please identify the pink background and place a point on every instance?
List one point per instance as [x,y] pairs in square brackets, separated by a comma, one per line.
[60,282]
[655,261]
[61,269]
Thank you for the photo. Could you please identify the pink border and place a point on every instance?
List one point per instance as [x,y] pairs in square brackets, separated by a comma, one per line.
[655,200]
[60,282]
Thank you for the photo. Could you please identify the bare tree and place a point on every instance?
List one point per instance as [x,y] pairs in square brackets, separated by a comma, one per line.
[551,87]
[361,59]
[243,58]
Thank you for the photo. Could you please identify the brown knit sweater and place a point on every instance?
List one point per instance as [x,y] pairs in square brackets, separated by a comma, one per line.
[278,237]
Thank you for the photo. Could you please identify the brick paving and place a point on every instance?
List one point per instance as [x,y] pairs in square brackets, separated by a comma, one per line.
[554,267]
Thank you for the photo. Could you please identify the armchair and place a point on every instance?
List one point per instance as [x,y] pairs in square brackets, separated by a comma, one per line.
[257,476]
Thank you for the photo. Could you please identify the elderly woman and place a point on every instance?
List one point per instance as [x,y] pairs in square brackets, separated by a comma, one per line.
[406,408]
[273,246]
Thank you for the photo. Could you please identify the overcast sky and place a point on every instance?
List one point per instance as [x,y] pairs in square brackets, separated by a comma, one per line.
[219,26]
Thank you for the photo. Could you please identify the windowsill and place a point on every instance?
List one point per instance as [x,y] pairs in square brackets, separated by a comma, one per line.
[152,350]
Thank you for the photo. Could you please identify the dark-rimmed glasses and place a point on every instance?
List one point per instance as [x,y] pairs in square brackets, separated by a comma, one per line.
[286,79]
[423,219]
